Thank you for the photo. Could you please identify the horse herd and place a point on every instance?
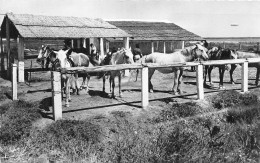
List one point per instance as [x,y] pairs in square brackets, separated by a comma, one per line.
[125,56]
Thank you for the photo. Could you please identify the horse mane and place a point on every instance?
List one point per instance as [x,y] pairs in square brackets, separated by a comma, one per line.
[188,50]
[115,56]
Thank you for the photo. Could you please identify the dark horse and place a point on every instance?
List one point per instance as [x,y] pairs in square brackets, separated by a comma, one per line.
[44,56]
[217,53]
[185,55]
[244,55]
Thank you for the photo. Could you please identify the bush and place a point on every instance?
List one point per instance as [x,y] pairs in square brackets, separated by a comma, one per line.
[17,121]
[243,114]
[71,139]
[231,98]
[226,99]
[248,98]
[4,91]
[178,110]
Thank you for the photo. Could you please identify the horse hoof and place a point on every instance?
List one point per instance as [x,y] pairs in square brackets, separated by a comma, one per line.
[222,87]
[175,93]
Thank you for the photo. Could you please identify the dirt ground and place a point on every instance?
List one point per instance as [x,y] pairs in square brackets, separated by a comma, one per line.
[96,103]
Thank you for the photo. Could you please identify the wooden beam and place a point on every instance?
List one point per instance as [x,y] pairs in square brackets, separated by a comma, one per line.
[14,82]
[244,74]
[72,43]
[84,43]
[8,48]
[56,95]
[164,47]
[78,43]
[126,42]
[105,68]
[152,50]
[199,78]
[101,46]
[240,46]
[126,45]
[145,88]
[182,44]
[107,47]
[20,44]
[2,55]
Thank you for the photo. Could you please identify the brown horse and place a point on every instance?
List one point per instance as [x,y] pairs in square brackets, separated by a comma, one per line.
[216,53]
[244,55]
[185,55]
[124,56]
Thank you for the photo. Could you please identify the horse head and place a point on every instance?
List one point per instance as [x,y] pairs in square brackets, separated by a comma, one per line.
[61,58]
[234,54]
[200,52]
[128,56]
[42,56]
[229,54]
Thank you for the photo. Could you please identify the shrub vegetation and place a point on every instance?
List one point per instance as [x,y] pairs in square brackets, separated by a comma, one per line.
[171,137]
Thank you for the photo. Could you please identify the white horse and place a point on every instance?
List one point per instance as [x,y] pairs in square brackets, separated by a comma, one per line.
[124,56]
[185,55]
[59,59]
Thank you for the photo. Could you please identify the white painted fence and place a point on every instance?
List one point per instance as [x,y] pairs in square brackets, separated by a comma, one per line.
[56,78]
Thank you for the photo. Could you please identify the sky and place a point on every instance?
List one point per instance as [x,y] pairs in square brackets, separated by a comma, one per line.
[206,18]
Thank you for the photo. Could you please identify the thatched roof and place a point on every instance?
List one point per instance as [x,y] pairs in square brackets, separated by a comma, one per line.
[161,31]
[39,26]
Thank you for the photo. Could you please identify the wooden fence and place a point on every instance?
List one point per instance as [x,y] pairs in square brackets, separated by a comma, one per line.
[56,78]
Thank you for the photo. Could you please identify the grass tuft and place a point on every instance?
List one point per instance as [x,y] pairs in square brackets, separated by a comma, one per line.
[17,119]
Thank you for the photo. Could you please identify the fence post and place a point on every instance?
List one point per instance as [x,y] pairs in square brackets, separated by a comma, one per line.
[145,88]
[56,95]
[14,82]
[199,78]
[244,84]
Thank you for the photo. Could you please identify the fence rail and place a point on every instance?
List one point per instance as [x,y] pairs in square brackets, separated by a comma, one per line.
[105,68]
[56,76]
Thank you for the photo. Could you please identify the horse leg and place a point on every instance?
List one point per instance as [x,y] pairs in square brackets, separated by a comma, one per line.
[83,86]
[77,83]
[150,74]
[179,89]
[137,72]
[221,76]
[205,75]
[175,84]
[113,87]
[104,83]
[110,83]
[119,85]
[233,67]
[257,76]
[209,74]
[67,92]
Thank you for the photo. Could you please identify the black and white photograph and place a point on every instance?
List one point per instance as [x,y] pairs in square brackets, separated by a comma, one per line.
[129,81]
